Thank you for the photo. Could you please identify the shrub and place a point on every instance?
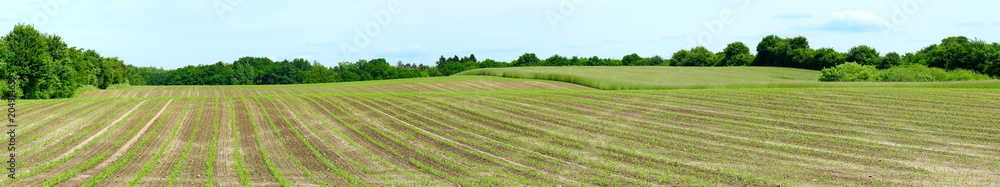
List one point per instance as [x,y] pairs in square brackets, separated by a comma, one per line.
[848,72]
[852,72]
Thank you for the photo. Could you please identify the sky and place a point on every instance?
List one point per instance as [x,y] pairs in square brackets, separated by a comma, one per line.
[176,33]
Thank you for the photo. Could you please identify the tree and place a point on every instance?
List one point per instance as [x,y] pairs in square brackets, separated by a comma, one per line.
[960,53]
[740,60]
[680,58]
[577,61]
[770,51]
[653,61]
[244,74]
[698,56]
[112,71]
[799,42]
[319,74]
[490,63]
[472,58]
[825,58]
[29,58]
[632,60]
[803,57]
[863,55]
[732,51]
[594,61]
[527,59]
[556,60]
[301,64]
[890,59]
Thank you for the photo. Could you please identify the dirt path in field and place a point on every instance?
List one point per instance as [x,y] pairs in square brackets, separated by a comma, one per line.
[225,162]
[102,131]
[128,144]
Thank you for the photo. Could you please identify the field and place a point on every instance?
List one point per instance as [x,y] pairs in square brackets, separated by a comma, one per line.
[436,84]
[470,130]
[664,77]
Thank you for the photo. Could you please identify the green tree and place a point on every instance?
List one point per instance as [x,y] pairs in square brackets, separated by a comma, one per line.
[527,59]
[556,60]
[732,51]
[825,58]
[577,61]
[698,56]
[112,71]
[740,60]
[29,57]
[804,57]
[960,53]
[632,60]
[890,59]
[653,61]
[244,74]
[863,55]
[799,42]
[320,74]
[472,58]
[770,51]
[490,63]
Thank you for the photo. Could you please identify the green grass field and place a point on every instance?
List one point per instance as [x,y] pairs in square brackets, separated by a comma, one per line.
[493,131]
[663,77]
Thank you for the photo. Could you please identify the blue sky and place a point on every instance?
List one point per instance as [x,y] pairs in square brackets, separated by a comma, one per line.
[175,33]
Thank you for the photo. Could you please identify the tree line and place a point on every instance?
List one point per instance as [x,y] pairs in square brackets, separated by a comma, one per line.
[49,68]
[264,71]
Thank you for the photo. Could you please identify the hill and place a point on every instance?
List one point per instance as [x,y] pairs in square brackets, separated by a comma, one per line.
[663,77]
[434,84]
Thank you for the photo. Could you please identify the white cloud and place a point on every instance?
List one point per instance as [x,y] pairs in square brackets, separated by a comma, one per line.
[850,21]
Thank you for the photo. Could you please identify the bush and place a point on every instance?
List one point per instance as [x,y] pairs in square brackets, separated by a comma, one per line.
[852,72]
[961,74]
[849,72]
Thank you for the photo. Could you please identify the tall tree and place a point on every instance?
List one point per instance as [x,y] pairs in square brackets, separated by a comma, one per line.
[731,52]
[556,60]
[961,53]
[653,61]
[890,59]
[698,56]
[527,59]
[799,42]
[632,60]
[863,55]
[472,57]
[320,74]
[825,58]
[30,59]
[771,51]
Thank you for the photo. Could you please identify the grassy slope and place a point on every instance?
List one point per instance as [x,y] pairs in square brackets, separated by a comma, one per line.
[432,84]
[328,85]
[662,77]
